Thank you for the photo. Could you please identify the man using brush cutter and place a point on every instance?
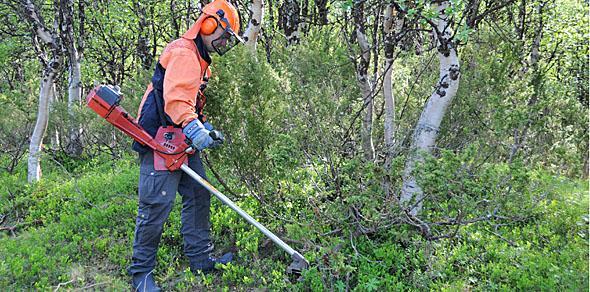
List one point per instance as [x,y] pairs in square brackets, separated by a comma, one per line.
[175,98]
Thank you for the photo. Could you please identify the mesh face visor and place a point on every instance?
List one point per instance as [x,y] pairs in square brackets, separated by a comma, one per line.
[228,38]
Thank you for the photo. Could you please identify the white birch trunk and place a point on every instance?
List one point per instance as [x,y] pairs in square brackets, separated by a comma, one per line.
[75,83]
[55,137]
[387,84]
[389,125]
[363,81]
[36,144]
[427,129]
[46,89]
[66,13]
[74,97]
[367,94]
[389,122]
[367,130]
[255,23]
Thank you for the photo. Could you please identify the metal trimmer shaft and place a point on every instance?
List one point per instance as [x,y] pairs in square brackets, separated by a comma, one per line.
[299,263]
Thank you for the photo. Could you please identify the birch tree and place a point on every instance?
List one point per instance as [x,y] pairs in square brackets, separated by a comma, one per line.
[73,46]
[427,128]
[392,26]
[445,26]
[363,80]
[322,11]
[144,22]
[48,46]
[255,24]
[289,21]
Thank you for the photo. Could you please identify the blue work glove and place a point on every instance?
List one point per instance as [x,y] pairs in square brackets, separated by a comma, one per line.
[208,126]
[201,137]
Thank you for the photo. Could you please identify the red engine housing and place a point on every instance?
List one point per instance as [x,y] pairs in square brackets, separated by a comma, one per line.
[171,147]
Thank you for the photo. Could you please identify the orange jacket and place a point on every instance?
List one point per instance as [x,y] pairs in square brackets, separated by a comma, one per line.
[185,71]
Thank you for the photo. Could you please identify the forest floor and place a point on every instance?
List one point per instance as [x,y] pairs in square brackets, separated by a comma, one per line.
[74,230]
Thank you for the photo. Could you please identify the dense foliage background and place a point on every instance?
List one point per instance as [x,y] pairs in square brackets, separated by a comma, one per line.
[505,203]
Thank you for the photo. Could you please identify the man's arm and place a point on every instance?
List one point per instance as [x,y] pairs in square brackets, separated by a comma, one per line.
[181,85]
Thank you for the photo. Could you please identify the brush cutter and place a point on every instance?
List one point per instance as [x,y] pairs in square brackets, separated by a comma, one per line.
[171,149]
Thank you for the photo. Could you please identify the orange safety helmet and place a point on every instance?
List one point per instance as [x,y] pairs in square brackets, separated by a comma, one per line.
[229,12]
[210,19]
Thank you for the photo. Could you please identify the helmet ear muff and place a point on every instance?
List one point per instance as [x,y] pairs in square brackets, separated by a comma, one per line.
[209,25]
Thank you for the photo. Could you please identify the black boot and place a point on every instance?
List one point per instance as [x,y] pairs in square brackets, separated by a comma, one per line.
[208,265]
[144,282]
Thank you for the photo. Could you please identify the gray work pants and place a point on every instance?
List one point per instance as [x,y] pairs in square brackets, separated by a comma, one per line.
[157,191]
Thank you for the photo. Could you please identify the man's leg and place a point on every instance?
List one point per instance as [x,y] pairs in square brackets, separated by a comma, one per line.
[157,190]
[196,204]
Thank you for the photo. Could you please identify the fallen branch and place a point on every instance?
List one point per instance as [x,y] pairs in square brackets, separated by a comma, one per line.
[510,242]
[64,283]
[12,229]
[455,232]
[415,221]
[9,228]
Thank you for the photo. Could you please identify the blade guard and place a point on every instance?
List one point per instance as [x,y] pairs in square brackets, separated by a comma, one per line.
[171,147]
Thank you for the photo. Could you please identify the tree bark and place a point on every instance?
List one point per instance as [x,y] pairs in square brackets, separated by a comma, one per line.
[143,36]
[75,146]
[66,10]
[391,26]
[472,12]
[427,129]
[269,34]
[36,145]
[364,82]
[255,23]
[174,19]
[322,16]
[289,21]
[51,40]
[55,136]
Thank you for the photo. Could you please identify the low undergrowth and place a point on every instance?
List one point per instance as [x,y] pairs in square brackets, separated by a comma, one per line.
[74,229]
